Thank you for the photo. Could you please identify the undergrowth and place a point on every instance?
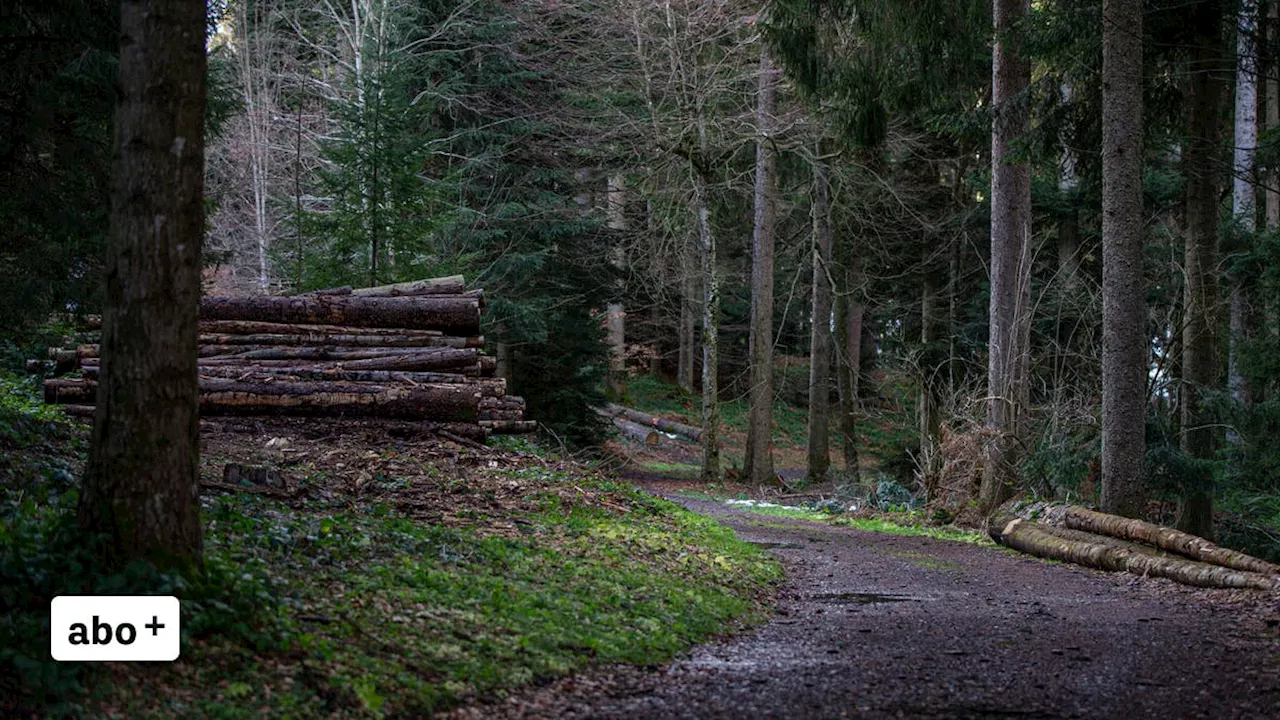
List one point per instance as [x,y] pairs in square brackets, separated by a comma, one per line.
[323,608]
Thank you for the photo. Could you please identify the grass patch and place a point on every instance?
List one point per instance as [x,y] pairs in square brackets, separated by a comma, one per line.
[341,607]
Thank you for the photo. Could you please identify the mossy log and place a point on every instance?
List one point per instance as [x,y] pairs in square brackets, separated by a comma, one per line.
[1036,539]
[453,314]
[1175,541]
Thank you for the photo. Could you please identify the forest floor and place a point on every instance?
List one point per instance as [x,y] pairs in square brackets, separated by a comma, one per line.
[879,625]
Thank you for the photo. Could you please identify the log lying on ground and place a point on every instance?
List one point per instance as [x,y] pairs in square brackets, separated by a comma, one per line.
[1176,541]
[1039,540]
[669,426]
[631,430]
[455,315]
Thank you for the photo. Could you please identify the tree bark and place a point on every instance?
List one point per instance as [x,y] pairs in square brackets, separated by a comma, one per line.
[849,312]
[1125,340]
[688,325]
[615,205]
[820,339]
[1040,540]
[669,426]
[451,285]
[1243,199]
[456,315]
[710,314]
[141,483]
[1200,293]
[758,461]
[1273,113]
[1192,546]
[1008,360]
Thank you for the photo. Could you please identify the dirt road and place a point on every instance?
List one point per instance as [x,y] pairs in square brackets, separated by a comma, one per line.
[883,626]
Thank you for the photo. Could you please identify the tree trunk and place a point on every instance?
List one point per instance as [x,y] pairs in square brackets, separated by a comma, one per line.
[1192,546]
[933,358]
[820,340]
[456,315]
[1008,360]
[1243,202]
[758,462]
[615,206]
[1096,552]
[710,316]
[849,312]
[1199,343]
[688,326]
[141,484]
[1273,113]
[1125,340]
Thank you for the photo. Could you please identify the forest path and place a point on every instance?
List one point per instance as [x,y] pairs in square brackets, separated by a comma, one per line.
[871,625]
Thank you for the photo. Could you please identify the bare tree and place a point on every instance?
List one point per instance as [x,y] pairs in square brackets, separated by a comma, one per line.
[141,485]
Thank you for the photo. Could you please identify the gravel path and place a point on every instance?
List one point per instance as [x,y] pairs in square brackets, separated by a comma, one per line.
[882,626]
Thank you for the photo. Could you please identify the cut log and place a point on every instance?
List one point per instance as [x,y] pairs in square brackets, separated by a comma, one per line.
[669,426]
[451,285]
[457,315]
[314,353]
[500,414]
[431,360]
[495,387]
[344,340]
[253,327]
[84,412]
[423,402]
[637,432]
[488,366]
[70,392]
[1192,546]
[344,290]
[509,427]
[1039,540]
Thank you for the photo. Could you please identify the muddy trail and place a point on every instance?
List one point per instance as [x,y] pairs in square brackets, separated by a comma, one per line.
[871,625]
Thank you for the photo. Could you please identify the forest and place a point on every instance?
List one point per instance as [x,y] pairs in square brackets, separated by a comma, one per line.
[643,358]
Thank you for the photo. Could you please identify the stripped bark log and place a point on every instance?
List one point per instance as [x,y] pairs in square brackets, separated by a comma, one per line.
[457,315]
[669,426]
[1036,539]
[1176,541]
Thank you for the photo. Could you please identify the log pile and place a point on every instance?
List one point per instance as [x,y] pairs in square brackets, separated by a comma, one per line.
[404,352]
[1109,542]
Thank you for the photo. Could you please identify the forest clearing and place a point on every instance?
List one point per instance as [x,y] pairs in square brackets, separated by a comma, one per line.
[693,358]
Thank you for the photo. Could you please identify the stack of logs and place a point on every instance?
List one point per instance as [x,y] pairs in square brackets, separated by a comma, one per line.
[409,351]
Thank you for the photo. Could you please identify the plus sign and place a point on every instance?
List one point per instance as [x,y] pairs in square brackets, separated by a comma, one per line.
[154,626]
